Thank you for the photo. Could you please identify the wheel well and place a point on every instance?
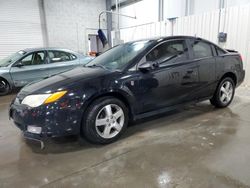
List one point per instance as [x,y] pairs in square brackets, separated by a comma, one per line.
[230,75]
[1,78]
[115,95]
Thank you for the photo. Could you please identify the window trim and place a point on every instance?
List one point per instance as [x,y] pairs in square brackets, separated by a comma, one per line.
[144,56]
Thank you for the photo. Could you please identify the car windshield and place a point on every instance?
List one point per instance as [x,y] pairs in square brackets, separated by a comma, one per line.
[12,58]
[120,56]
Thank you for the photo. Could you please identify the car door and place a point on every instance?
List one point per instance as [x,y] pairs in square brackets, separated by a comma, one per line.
[203,53]
[61,61]
[172,79]
[31,67]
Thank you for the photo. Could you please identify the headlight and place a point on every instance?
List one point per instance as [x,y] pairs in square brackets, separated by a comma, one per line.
[37,100]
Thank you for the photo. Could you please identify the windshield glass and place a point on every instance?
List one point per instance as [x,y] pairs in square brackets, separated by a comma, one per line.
[118,57]
[10,59]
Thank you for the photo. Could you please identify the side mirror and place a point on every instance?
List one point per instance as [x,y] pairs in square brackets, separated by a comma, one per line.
[18,64]
[147,66]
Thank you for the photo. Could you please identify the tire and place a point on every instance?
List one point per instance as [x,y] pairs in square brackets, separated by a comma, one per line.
[224,93]
[105,120]
[4,87]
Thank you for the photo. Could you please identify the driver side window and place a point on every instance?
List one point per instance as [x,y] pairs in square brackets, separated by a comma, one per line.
[35,58]
[169,52]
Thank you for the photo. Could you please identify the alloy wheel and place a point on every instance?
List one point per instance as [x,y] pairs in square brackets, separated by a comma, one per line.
[226,92]
[3,87]
[109,121]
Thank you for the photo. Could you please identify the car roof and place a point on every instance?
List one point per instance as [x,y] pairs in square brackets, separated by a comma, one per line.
[164,38]
[48,48]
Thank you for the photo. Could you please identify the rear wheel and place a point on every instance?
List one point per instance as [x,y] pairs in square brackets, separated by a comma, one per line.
[224,94]
[4,87]
[105,120]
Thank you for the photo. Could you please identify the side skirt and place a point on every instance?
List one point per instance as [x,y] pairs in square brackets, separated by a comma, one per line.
[167,109]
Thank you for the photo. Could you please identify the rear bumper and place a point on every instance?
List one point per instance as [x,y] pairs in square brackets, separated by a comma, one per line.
[241,77]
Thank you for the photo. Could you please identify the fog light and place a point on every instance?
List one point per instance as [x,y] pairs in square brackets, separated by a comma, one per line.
[35,130]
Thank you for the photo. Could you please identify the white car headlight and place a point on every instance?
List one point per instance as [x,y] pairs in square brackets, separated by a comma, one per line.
[37,100]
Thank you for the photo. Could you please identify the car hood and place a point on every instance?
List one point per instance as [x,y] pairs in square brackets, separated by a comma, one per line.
[4,69]
[85,59]
[64,80]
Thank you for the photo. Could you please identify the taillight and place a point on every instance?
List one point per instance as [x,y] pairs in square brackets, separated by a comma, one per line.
[241,57]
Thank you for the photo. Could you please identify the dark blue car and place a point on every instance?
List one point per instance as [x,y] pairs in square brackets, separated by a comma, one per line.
[128,82]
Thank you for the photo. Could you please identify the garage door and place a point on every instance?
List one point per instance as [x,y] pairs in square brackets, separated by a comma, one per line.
[20,26]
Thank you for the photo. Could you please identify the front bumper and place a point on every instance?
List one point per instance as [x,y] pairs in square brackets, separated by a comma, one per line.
[33,138]
[54,119]
[23,117]
[15,115]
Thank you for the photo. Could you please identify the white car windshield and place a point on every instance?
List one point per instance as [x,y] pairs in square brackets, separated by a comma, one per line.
[12,58]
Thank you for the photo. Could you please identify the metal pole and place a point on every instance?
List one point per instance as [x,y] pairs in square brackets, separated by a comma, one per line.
[221,4]
[110,12]
[77,36]
[117,18]
[160,10]
[186,8]
[42,12]
[225,15]
[109,21]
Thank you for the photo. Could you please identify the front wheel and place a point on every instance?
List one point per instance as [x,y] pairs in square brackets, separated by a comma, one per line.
[224,94]
[4,87]
[105,120]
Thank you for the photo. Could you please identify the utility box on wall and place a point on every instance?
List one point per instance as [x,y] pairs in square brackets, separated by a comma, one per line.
[222,37]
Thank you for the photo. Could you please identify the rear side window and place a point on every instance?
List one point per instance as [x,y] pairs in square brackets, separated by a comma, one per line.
[201,49]
[60,56]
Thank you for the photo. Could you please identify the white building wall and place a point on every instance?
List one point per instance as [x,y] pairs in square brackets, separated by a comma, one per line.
[70,21]
[204,6]
[200,6]
[146,11]
[20,26]
[230,3]
[174,8]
